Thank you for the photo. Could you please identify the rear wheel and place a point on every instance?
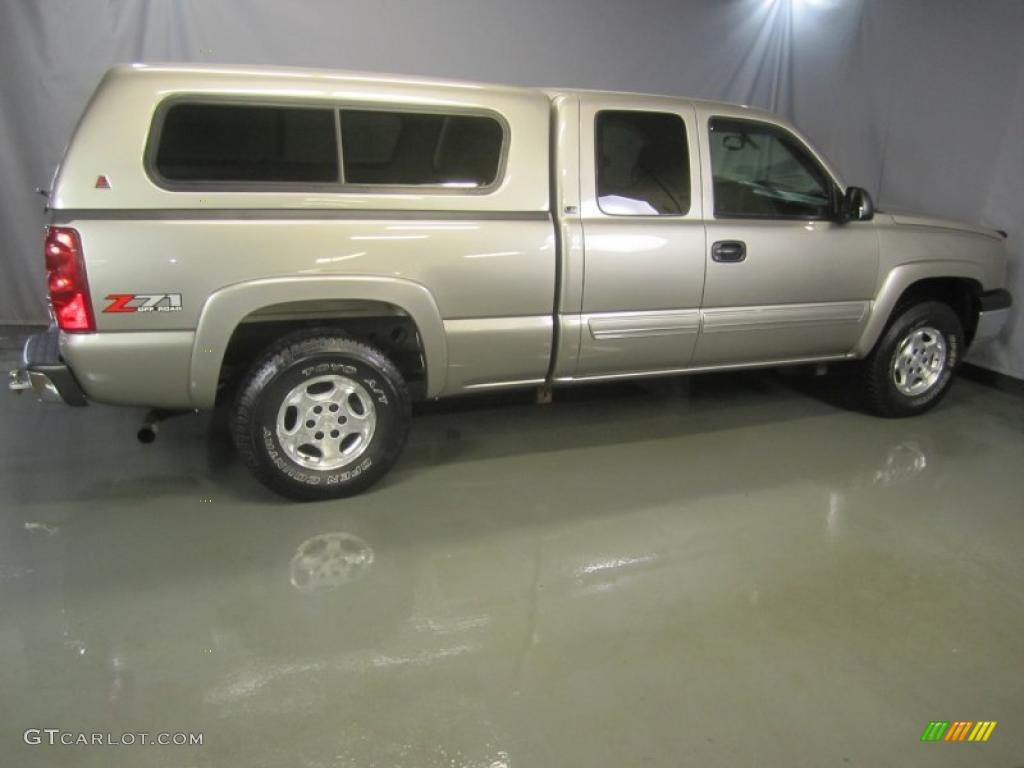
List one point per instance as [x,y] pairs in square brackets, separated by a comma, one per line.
[912,365]
[320,416]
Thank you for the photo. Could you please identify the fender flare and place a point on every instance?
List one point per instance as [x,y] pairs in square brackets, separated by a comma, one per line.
[227,307]
[897,281]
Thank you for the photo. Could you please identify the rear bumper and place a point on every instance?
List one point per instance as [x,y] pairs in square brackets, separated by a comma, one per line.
[44,372]
[993,316]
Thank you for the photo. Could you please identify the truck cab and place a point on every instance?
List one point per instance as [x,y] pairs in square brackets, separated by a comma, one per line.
[752,264]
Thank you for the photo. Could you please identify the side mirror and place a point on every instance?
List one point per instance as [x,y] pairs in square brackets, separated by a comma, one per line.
[857,205]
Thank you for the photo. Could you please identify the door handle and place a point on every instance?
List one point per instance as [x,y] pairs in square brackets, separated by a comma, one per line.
[729,251]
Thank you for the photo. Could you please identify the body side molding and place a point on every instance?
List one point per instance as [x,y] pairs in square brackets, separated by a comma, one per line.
[620,325]
[781,316]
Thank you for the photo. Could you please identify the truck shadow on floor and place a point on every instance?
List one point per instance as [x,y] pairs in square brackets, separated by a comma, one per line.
[761,404]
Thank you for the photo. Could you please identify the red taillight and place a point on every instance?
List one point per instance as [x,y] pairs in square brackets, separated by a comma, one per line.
[66,281]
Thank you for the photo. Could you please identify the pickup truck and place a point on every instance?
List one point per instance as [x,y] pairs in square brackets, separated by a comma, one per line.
[315,250]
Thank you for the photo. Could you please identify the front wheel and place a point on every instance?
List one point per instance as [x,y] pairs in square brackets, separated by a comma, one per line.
[320,416]
[911,367]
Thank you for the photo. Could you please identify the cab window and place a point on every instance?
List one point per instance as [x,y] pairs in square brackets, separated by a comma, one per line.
[643,166]
[762,171]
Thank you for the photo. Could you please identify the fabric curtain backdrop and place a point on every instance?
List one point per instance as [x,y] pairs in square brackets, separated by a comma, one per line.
[922,102]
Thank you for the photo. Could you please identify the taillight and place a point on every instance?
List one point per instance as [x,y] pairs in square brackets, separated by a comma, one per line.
[66,281]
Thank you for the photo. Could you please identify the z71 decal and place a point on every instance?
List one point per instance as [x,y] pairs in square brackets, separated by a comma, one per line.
[144,302]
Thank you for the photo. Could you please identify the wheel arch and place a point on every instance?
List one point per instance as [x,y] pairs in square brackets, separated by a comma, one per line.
[229,308]
[955,283]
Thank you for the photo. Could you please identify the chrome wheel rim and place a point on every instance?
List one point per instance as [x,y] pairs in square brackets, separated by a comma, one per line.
[919,361]
[326,422]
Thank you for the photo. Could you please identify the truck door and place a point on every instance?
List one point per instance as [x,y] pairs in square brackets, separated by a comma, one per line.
[643,235]
[785,281]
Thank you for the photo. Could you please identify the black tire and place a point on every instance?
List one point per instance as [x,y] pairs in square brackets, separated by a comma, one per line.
[337,361]
[878,387]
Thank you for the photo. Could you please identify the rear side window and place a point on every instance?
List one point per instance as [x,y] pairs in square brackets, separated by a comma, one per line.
[382,148]
[243,143]
[643,165]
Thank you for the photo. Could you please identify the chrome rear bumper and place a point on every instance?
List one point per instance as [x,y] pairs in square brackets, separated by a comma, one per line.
[43,371]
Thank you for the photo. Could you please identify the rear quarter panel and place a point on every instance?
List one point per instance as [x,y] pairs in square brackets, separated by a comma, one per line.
[476,269]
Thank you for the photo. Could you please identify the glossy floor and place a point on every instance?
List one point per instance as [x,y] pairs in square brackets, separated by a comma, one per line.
[725,571]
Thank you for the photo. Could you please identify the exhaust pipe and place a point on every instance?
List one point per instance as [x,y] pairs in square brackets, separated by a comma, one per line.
[148,431]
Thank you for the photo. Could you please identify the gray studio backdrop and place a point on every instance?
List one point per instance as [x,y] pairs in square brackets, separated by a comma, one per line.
[920,102]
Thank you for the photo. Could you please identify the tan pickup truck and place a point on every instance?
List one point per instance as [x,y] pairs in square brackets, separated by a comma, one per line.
[316,249]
